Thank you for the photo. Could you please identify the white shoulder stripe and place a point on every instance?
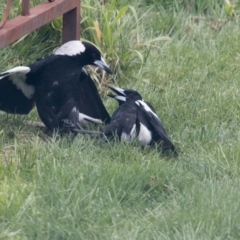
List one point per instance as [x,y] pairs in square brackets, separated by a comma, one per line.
[71,48]
[146,107]
[84,119]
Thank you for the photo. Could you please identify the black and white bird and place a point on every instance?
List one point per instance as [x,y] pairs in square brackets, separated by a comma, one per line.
[59,86]
[134,119]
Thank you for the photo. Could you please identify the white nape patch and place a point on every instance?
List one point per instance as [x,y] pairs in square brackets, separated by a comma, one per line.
[144,136]
[18,77]
[120,98]
[71,48]
[146,108]
[84,119]
[129,137]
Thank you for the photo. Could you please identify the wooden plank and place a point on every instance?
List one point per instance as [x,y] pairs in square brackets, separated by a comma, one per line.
[25,7]
[39,15]
[71,25]
[6,13]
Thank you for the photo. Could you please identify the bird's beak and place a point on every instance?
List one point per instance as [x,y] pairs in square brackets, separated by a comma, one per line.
[120,93]
[117,97]
[117,90]
[102,64]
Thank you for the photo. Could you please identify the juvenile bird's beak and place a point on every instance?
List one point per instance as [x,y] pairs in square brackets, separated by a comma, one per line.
[102,64]
[117,97]
[121,97]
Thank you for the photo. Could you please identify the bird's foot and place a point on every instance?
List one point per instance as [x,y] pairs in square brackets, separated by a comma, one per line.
[68,124]
[73,128]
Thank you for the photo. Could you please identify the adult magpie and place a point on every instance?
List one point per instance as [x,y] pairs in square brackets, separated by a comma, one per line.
[134,119]
[58,84]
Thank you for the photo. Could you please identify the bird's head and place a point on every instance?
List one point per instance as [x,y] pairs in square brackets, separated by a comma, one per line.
[124,95]
[132,95]
[120,97]
[88,53]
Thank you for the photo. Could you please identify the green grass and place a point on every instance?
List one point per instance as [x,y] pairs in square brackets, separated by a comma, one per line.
[182,59]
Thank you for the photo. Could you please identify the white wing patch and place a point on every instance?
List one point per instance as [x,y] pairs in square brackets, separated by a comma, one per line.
[18,77]
[84,119]
[71,48]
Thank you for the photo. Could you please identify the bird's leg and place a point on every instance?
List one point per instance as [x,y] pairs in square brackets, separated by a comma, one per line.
[87,131]
[77,128]
[68,124]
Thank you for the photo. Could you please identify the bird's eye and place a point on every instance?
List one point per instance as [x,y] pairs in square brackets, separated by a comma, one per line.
[130,95]
[94,56]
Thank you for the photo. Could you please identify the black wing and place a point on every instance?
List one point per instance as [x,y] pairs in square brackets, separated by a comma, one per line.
[90,102]
[65,91]
[15,95]
[156,125]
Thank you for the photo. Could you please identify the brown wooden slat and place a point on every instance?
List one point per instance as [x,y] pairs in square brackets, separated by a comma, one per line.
[6,13]
[40,15]
[25,7]
[71,25]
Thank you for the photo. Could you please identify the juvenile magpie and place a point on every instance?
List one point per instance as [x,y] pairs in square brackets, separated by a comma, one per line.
[58,84]
[134,119]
